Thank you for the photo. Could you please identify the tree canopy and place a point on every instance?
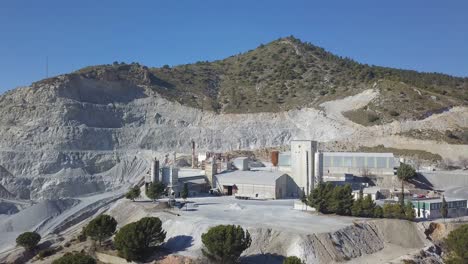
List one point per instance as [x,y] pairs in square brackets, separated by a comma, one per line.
[133,193]
[155,190]
[101,228]
[327,198]
[135,239]
[28,240]
[405,172]
[225,243]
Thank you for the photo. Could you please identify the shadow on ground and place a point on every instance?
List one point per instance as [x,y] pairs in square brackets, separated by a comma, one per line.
[421,182]
[178,243]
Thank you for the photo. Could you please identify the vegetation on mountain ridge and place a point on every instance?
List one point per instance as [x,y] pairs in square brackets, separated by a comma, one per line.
[287,74]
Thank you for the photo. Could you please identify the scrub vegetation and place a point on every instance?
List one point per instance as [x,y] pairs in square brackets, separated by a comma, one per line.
[457,246]
[418,154]
[456,136]
[288,74]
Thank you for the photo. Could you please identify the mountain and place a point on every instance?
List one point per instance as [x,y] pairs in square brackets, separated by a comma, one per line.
[288,74]
[97,128]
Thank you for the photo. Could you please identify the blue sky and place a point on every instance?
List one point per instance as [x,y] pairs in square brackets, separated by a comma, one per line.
[424,35]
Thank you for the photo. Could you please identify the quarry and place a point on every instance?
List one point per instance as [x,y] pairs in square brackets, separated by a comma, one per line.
[71,146]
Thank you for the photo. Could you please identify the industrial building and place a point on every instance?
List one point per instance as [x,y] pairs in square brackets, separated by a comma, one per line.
[356,163]
[256,184]
[430,208]
[308,167]
[168,175]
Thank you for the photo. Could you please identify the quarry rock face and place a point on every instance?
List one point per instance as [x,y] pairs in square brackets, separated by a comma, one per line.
[72,135]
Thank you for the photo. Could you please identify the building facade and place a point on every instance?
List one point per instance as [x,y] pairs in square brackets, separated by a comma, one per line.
[431,208]
[302,165]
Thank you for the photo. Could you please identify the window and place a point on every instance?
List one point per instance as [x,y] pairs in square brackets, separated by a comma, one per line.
[348,161]
[381,162]
[370,162]
[337,161]
[360,162]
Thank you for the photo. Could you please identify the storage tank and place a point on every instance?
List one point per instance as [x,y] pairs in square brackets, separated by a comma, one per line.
[274,157]
[154,170]
[318,167]
[242,163]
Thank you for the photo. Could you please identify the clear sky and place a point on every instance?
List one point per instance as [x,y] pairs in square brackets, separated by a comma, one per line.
[425,35]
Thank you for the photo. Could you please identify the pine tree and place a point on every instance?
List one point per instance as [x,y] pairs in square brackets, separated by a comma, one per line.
[185,192]
[404,173]
[444,208]
[155,190]
[133,193]
[368,206]
[101,228]
[225,243]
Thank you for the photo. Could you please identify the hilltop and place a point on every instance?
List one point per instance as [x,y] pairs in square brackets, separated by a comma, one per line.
[289,74]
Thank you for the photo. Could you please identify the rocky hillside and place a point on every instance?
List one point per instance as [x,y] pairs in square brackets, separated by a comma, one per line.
[96,129]
[286,74]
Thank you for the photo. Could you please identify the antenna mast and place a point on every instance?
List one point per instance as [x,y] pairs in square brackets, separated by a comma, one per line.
[47,66]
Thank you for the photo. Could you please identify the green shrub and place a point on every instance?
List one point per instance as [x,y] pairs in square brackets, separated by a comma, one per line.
[28,240]
[378,212]
[48,252]
[293,260]
[457,245]
[75,258]
[225,243]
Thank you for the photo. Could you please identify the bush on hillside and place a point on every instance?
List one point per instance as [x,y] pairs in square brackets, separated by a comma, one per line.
[75,258]
[293,260]
[28,240]
[457,245]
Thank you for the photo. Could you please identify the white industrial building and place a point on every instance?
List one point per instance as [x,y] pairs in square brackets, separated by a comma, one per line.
[306,168]
[256,184]
[356,163]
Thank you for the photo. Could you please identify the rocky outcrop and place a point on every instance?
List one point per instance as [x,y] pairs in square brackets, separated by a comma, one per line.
[351,242]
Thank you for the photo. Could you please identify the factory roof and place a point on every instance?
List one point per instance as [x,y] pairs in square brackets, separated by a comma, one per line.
[258,177]
[439,200]
[354,154]
[369,190]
